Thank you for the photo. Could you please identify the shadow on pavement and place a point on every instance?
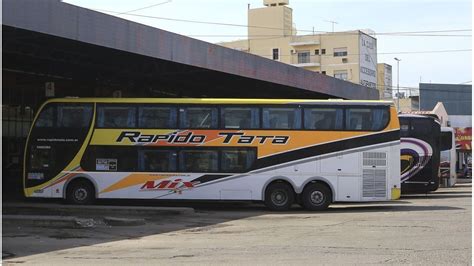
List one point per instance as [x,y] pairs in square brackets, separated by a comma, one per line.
[23,240]
[434,196]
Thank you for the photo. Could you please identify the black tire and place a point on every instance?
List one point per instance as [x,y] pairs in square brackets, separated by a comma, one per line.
[80,192]
[279,197]
[316,197]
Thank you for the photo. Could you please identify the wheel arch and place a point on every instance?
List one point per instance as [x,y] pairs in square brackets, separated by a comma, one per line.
[77,178]
[320,180]
[275,179]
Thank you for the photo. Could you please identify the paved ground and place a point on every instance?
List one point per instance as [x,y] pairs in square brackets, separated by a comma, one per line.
[424,229]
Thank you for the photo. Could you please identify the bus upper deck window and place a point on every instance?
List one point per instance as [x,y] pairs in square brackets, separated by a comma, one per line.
[240,117]
[198,117]
[157,117]
[281,118]
[323,118]
[74,116]
[366,119]
[111,116]
[46,117]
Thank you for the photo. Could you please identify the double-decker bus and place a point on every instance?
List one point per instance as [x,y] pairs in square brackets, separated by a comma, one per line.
[281,152]
[420,138]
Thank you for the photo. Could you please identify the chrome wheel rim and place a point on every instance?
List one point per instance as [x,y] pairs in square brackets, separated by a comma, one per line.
[80,194]
[316,197]
[279,197]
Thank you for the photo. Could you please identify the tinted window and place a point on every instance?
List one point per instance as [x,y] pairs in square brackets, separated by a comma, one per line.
[420,127]
[46,117]
[240,117]
[446,141]
[157,161]
[111,116]
[157,117]
[110,159]
[281,118]
[366,119]
[74,116]
[198,161]
[237,160]
[198,117]
[323,118]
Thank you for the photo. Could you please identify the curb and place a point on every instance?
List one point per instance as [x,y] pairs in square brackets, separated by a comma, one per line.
[92,210]
[114,221]
[48,221]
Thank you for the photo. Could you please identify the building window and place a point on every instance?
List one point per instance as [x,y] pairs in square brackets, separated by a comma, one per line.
[276,54]
[323,51]
[344,60]
[340,51]
[316,52]
[340,74]
[323,72]
[303,57]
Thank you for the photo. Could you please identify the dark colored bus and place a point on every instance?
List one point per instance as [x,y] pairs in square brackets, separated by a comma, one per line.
[420,138]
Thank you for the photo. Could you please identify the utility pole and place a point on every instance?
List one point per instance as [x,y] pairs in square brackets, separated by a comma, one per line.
[398,83]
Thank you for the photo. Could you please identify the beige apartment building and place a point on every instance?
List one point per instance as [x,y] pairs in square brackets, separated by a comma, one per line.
[384,81]
[349,55]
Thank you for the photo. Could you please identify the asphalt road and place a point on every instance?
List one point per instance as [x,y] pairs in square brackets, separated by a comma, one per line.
[421,229]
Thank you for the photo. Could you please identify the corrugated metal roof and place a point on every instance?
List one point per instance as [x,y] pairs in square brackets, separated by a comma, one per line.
[53,17]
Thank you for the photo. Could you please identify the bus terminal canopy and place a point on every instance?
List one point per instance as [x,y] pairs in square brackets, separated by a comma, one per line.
[95,54]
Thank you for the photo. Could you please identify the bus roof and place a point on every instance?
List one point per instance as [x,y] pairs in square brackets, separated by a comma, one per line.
[416,116]
[219,101]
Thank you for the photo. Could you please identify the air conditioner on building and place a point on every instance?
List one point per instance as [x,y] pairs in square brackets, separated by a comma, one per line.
[293,51]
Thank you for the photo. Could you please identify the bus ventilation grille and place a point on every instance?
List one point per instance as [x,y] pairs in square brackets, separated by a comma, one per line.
[374,175]
[375,159]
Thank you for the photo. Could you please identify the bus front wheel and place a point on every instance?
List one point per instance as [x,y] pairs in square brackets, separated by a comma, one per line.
[316,197]
[80,192]
[279,197]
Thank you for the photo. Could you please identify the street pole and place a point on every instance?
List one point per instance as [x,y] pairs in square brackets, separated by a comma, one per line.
[398,83]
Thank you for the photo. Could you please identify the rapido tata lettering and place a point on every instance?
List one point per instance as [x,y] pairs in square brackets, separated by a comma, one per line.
[191,138]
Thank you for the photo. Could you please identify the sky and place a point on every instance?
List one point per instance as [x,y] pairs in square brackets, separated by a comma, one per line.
[423,58]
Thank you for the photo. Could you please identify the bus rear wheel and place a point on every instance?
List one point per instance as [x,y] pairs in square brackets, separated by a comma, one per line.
[279,197]
[80,192]
[316,197]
